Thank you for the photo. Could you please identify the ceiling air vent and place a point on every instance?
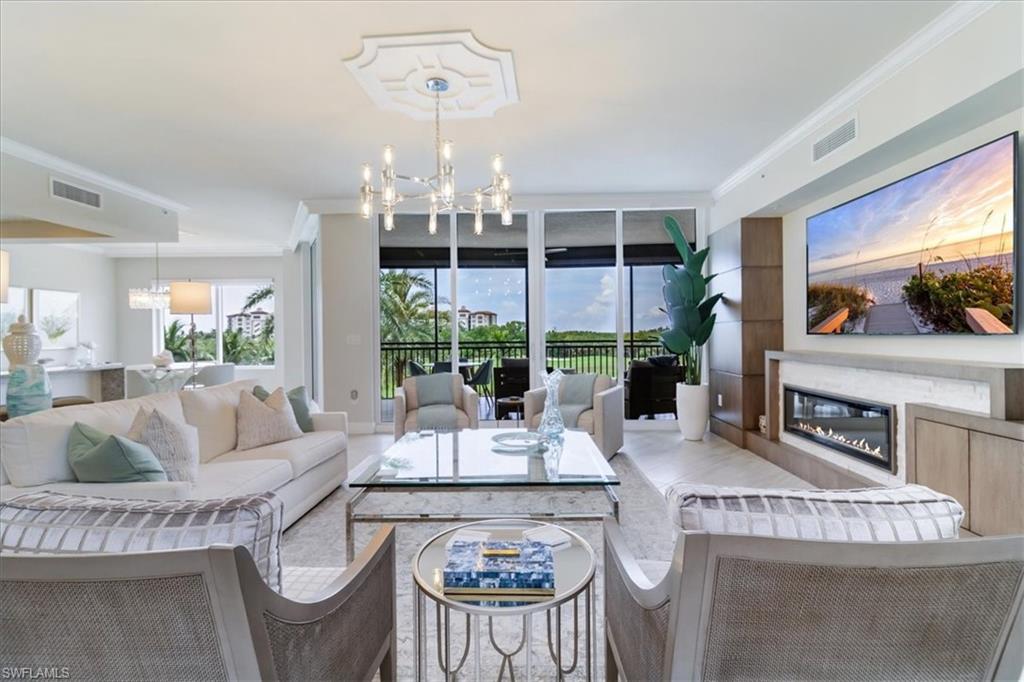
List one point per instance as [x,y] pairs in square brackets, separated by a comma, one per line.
[63,190]
[837,138]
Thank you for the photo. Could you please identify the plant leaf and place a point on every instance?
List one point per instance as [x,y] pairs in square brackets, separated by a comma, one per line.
[706,306]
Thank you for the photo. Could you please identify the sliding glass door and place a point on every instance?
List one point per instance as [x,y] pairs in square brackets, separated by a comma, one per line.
[581,291]
[415,302]
[600,309]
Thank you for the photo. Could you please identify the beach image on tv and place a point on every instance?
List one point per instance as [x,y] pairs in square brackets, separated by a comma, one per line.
[930,254]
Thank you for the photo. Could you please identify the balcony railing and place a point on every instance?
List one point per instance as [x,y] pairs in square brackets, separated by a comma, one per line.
[596,357]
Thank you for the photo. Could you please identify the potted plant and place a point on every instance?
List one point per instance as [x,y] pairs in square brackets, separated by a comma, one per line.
[690,324]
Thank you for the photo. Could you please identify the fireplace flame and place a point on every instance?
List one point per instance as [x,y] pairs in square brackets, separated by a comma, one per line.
[859,444]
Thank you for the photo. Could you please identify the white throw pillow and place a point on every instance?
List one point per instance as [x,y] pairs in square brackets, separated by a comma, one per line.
[212,411]
[175,444]
[262,422]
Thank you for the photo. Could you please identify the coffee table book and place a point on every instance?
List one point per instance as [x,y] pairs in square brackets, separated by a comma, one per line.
[499,571]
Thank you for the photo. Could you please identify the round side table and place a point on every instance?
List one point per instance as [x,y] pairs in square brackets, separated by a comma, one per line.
[515,406]
[574,582]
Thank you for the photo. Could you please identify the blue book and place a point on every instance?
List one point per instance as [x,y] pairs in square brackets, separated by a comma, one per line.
[499,567]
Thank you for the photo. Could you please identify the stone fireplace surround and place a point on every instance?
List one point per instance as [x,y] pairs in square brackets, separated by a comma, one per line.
[993,390]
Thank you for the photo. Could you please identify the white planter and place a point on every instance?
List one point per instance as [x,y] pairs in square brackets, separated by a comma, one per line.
[692,410]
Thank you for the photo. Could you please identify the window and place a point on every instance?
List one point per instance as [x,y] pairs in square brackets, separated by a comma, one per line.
[240,329]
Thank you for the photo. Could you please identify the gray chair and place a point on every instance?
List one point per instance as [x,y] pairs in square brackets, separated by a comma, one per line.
[604,422]
[195,614]
[465,399]
[744,607]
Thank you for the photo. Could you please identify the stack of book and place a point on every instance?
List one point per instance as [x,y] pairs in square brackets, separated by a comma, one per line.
[499,573]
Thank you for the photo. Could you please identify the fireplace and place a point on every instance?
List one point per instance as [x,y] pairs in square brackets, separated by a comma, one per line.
[854,427]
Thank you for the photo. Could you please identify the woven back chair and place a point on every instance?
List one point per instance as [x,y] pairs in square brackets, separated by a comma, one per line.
[744,607]
[195,614]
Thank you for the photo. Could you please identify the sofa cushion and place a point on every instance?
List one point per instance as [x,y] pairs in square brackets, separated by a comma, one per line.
[412,401]
[909,512]
[585,422]
[262,422]
[46,523]
[98,457]
[301,453]
[243,477]
[35,447]
[461,420]
[212,411]
[175,444]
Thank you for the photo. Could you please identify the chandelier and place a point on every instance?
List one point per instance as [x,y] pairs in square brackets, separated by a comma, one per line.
[155,297]
[439,188]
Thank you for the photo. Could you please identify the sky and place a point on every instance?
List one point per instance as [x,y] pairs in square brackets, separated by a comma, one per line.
[960,200]
[577,298]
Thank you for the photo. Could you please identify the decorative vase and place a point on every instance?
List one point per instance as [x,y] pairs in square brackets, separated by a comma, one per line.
[28,390]
[692,410]
[163,359]
[551,424]
[22,345]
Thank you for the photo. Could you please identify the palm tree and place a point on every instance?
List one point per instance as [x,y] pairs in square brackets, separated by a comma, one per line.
[176,341]
[237,348]
[405,301]
[258,296]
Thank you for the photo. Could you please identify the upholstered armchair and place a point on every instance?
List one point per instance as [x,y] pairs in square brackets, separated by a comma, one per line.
[604,422]
[194,614]
[744,607]
[407,406]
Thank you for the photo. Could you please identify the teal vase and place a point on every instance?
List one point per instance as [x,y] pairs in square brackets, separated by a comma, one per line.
[28,390]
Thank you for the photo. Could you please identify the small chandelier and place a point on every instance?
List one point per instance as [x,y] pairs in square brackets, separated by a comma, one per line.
[155,297]
[439,188]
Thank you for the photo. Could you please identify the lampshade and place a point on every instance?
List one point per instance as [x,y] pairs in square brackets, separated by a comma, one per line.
[5,275]
[190,298]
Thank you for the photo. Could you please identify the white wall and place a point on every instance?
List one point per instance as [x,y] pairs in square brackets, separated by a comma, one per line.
[46,266]
[346,248]
[135,331]
[1002,349]
[981,54]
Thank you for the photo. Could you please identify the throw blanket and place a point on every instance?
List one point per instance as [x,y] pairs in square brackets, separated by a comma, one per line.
[436,402]
[577,397]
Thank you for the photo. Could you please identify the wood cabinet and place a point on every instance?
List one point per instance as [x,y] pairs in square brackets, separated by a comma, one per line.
[976,459]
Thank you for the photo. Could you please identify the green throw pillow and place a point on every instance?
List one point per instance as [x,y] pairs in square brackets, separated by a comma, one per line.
[98,457]
[299,400]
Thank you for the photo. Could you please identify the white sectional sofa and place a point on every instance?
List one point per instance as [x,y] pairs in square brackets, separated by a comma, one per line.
[33,452]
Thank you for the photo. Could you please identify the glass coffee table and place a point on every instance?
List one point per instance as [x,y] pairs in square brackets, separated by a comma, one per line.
[471,460]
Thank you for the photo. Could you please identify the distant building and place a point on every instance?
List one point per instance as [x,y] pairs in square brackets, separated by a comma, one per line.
[249,324]
[476,318]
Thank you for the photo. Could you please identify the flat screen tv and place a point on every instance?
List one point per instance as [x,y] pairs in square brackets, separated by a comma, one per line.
[933,253]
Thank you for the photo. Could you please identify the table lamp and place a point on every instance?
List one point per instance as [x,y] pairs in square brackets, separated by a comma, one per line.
[191,298]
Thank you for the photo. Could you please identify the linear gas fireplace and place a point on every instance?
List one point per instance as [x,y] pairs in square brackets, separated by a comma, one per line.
[851,426]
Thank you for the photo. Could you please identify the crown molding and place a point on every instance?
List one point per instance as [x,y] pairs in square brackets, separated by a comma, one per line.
[194,250]
[931,35]
[65,167]
[304,226]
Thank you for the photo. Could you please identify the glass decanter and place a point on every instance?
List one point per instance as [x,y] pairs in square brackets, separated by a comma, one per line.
[551,424]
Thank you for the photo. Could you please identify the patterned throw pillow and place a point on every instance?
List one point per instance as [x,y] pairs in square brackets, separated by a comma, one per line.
[265,422]
[906,513]
[302,406]
[174,443]
[53,523]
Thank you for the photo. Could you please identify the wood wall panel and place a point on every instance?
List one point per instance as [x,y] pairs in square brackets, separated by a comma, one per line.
[996,484]
[727,431]
[747,259]
[946,468]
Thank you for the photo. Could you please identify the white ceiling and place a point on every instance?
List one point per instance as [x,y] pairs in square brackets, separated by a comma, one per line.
[241,110]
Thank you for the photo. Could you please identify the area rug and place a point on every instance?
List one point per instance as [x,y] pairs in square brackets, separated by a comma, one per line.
[318,539]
